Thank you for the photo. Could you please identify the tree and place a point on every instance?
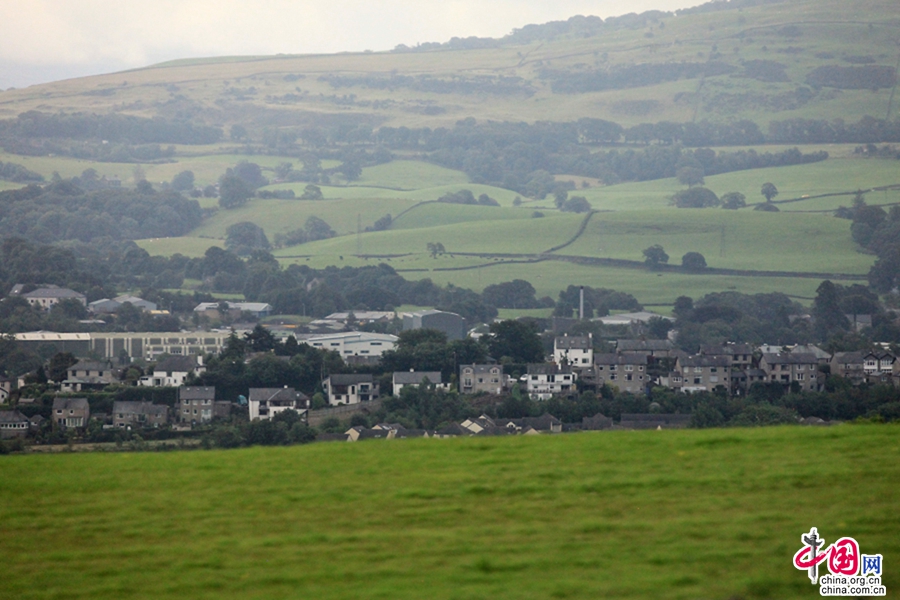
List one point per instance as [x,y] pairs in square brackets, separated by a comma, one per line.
[233,191]
[318,229]
[59,365]
[690,176]
[826,310]
[183,182]
[655,256]
[769,191]
[693,261]
[241,238]
[517,293]
[260,339]
[434,249]
[695,197]
[734,200]
[516,340]
[251,173]
[312,192]
[576,204]
[238,133]
[351,170]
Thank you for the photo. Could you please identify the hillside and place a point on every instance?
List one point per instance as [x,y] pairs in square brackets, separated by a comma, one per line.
[662,514]
[777,60]
[797,93]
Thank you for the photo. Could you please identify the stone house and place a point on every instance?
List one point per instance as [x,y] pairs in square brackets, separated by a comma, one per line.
[197,405]
[402,379]
[788,368]
[482,378]
[128,414]
[13,424]
[626,372]
[699,373]
[849,365]
[70,413]
[88,375]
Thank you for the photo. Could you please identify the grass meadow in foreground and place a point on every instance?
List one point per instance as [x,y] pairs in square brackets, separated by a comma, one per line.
[654,514]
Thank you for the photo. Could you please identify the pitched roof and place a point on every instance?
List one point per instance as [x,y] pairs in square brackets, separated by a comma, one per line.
[351,378]
[139,408]
[549,369]
[416,377]
[53,292]
[12,416]
[176,364]
[643,345]
[789,359]
[70,403]
[699,360]
[196,393]
[574,342]
[626,358]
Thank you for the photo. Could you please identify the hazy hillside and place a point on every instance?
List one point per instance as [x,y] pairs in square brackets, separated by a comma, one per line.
[778,60]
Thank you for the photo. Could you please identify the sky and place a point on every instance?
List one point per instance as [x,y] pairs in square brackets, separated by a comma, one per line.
[49,40]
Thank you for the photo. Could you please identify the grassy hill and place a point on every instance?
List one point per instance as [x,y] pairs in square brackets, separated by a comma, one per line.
[662,514]
[537,77]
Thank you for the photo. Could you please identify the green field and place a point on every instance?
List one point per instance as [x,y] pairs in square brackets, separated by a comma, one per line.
[661,514]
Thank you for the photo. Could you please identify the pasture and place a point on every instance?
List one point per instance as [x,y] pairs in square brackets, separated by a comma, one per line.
[663,514]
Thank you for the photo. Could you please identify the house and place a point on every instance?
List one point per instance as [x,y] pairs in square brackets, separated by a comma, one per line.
[350,388]
[576,350]
[543,381]
[70,412]
[356,344]
[13,424]
[482,378]
[596,423]
[849,365]
[197,405]
[453,325]
[88,375]
[654,421]
[234,309]
[546,423]
[46,297]
[127,414]
[626,371]
[787,368]
[412,378]
[173,371]
[741,355]
[878,366]
[703,373]
[265,403]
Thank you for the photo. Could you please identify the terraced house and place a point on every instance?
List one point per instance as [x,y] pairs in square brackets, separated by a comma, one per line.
[788,368]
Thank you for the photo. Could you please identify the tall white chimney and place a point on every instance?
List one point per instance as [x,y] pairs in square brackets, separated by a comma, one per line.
[581,304]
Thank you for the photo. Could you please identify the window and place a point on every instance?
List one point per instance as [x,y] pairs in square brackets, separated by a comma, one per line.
[612,367]
[629,367]
[712,370]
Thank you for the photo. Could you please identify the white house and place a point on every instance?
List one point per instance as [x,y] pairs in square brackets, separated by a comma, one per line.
[173,371]
[402,379]
[46,297]
[544,381]
[265,403]
[576,350]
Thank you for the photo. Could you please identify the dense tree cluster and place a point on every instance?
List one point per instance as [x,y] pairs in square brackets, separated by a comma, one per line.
[63,210]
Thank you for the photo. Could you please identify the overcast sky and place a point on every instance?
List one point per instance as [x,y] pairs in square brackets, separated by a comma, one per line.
[47,40]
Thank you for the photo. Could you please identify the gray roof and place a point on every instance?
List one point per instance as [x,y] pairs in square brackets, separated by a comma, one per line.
[548,369]
[139,408]
[790,359]
[91,365]
[176,364]
[416,377]
[12,416]
[574,342]
[196,393]
[727,349]
[627,358]
[482,368]
[70,403]
[848,358]
[699,360]
[351,378]
[53,292]
[643,345]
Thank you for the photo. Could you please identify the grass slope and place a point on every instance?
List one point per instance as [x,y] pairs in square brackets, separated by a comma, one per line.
[674,514]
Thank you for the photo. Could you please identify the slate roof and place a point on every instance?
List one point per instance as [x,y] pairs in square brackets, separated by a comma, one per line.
[416,377]
[574,342]
[549,369]
[698,360]
[70,403]
[268,394]
[351,378]
[790,359]
[196,393]
[176,364]
[129,407]
[54,292]
[627,358]
[643,345]
[12,416]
